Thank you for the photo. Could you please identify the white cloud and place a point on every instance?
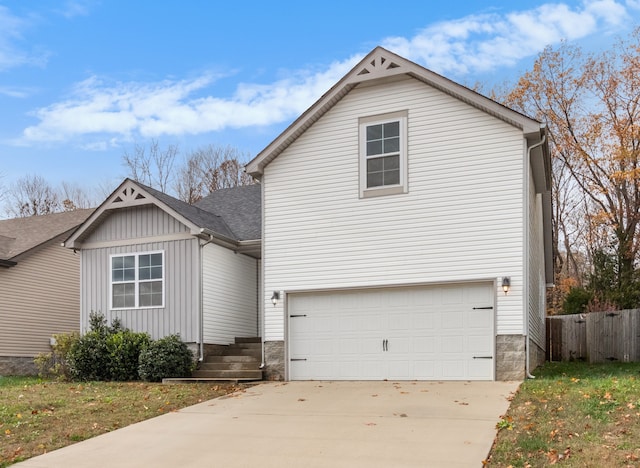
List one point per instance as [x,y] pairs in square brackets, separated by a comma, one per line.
[99,114]
[15,91]
[480,43]
[169,107]
[11,28]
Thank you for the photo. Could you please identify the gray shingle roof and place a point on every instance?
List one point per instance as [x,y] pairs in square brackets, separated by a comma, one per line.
[202,218]
[19,235]
[240,207]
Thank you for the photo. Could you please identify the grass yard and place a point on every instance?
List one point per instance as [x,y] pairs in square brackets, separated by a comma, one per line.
[573,415]
[38,416]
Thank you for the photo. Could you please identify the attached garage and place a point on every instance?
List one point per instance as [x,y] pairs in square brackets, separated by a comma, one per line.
[441,332]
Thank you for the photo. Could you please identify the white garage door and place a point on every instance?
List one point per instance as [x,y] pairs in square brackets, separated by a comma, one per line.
[421,333]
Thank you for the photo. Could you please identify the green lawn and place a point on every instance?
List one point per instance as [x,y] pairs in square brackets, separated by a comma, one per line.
[574,415]
[38,416]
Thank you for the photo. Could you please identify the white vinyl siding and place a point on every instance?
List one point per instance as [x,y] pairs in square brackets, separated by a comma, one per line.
[40,297]
[462,219]
[537,285]
[230,295]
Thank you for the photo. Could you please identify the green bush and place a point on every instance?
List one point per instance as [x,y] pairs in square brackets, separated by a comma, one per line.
[165,358]
[124,348]
[576,301]
[55,364]
[106,352]
[89,357]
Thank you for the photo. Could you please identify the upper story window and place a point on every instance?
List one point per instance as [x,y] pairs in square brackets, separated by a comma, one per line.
[383,154]
[137,280]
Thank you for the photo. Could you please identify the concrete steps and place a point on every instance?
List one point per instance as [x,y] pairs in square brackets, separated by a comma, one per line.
[240,361]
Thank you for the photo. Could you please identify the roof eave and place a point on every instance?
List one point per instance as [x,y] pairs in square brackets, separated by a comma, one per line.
[381,63]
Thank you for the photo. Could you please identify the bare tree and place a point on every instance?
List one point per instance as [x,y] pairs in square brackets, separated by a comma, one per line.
[224,168]
[591,105]
[189,183]
[210,168]
[75,197]
[151,165]
[32,195]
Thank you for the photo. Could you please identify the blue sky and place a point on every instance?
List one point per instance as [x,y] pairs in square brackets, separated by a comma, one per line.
[81,81]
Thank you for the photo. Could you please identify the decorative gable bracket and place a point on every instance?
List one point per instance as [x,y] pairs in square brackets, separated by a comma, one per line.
[128,196]
[379,66]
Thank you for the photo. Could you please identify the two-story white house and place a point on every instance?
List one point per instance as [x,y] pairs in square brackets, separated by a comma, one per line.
[406,233]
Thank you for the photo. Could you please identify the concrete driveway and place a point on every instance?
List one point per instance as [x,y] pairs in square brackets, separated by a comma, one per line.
[309,424]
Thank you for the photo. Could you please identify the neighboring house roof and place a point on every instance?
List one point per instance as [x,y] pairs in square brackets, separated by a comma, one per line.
[21,236]
[232,216]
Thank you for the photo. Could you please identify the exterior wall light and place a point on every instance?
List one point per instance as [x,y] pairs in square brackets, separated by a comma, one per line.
[506,284]
[275,298]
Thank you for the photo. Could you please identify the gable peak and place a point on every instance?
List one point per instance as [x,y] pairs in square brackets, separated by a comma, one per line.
[128,194]
[380,63]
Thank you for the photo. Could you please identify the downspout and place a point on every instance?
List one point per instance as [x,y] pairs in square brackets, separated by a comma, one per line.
[261,311]
[201,299]
[526,244]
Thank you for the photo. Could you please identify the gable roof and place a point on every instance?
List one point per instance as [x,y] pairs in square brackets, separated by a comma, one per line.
[217,221]
[381,63]
[21,236]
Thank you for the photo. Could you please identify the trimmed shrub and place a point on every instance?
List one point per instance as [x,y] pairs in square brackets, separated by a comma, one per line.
[106,352]
[165,358]
[89,357]
[124,349]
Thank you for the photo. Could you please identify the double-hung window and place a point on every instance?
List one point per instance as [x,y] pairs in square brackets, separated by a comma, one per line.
[383,154]
[137,280]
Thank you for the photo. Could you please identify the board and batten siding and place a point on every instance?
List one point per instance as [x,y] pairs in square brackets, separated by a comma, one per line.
[229,295]
[136,222]
[180,313]
[40,296]
[462,219]
[537,284]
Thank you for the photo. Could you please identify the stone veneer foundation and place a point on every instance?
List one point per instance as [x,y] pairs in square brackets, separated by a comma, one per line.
[274,360]
[511,357]
[11,365]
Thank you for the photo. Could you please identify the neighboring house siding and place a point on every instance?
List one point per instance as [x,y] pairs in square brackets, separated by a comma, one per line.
[229,295]
[537,285]
[40,297]
[181,282]
[461,220]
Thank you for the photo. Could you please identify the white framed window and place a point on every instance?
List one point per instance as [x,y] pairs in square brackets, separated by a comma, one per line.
[137,280]
[383,154]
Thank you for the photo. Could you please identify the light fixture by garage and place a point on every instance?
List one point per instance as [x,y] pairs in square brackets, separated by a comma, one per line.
[506,284]
[275,298]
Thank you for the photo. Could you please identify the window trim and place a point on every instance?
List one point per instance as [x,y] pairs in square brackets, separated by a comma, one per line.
[137,280]
[363,123]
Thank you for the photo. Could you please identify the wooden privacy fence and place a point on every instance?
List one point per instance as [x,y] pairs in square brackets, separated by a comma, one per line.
[595,337]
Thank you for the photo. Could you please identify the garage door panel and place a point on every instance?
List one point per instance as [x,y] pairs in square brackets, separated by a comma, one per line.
[400,333]
[452,319]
